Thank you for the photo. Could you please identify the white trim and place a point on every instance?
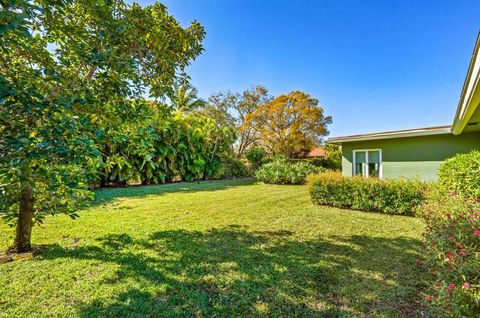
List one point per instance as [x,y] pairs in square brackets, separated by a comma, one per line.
[390,135]
[465,107]
[380,157]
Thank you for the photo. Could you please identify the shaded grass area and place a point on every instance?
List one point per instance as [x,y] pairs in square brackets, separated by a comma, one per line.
[222,248]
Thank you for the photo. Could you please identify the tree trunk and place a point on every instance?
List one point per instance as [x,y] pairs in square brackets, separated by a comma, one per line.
[25,221]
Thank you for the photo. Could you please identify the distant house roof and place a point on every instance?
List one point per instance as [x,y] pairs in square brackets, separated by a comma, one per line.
[317,152]
[428,131]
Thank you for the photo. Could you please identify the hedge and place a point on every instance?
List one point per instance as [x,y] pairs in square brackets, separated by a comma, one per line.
[461,174]
[395,196]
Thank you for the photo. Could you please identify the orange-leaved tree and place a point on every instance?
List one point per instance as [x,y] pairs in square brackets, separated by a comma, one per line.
[290,125]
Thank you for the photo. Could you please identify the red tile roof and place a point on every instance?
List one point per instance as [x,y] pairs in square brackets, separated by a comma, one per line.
[317,152]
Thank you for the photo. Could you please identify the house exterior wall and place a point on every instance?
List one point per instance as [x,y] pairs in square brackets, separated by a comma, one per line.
[412,156]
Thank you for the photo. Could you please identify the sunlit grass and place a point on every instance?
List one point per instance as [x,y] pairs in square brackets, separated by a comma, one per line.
[221,248]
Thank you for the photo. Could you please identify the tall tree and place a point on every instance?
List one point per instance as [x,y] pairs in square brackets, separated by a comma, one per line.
[65,66]
[219,107]
[185,98]
[290,124]
[233,109]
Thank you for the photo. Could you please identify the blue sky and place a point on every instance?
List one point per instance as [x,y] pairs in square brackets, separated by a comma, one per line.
[374,65]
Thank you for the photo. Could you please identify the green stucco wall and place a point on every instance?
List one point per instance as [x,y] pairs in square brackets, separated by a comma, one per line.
[412,156]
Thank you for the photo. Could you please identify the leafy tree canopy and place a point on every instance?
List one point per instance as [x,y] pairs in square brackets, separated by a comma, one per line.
[67,66]
[290,124]
[232,109]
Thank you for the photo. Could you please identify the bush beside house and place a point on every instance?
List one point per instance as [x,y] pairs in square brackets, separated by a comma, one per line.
[461,174]
[452,238]
[396,196]
[452,254]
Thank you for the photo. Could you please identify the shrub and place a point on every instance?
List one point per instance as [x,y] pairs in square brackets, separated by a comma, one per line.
[395,196]
[452,254]
[256,156]
[461,174]
[323,162]
[280,171]
[232,168]
[160,146]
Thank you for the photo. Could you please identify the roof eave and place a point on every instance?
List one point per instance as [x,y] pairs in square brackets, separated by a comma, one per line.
[388,135]
[465,107]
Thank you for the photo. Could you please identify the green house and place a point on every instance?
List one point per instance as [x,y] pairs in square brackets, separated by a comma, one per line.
[417,152]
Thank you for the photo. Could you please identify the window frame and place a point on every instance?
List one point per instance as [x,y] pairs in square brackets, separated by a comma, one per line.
[366,151]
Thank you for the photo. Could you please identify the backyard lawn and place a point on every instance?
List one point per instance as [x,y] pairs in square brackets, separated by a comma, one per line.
[216,249]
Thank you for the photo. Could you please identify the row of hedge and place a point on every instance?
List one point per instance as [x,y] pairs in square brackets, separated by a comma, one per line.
[459,175]
[396,196]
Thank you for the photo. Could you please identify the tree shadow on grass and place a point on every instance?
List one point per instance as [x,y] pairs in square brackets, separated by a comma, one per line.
[235,272]
[108,195]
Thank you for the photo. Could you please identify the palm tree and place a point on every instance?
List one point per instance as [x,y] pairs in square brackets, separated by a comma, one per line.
[185,98]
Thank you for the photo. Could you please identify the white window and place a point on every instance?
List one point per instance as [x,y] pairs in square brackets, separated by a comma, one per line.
[367,163]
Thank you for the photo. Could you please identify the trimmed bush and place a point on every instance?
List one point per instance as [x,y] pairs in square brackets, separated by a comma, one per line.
[452,254]
[395,196]
[461,174]
[280,171]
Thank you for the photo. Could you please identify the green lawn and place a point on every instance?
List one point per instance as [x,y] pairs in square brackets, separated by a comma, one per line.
[216,249]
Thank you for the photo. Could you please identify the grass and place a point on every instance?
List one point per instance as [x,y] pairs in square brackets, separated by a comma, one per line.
[216,249]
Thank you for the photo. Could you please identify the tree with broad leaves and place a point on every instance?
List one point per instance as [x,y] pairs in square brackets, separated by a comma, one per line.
[290,124]
[65,65]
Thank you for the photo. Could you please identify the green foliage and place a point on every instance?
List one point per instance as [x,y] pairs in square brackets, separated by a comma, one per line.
[68,68]
[185,98]
[43,148]
[333,159]
[395,196]
[461,174]
[281,171]
[161,146]
[452,254]
[60,190]
[256,156]
[200,146]
[232,167]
